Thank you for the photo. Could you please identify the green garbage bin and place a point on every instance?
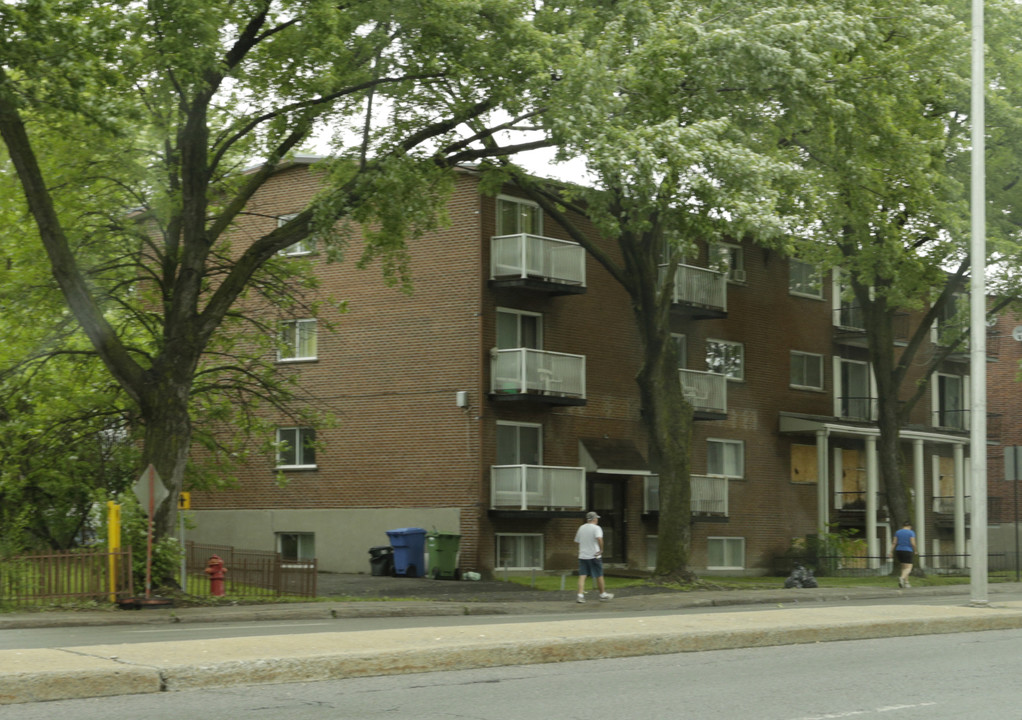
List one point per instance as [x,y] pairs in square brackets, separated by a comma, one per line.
[443,555]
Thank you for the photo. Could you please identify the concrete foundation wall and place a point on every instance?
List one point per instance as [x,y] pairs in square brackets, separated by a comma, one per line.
[342,536]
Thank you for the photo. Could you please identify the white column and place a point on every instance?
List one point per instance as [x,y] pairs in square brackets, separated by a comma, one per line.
[823,484]
[920,503]
[872,486]
[960,481]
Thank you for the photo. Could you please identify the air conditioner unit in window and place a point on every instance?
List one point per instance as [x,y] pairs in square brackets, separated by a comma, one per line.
[738,275]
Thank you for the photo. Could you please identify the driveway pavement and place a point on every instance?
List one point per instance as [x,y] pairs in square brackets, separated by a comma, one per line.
[780,617]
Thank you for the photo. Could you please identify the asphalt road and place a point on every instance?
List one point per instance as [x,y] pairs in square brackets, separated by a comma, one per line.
[938,677]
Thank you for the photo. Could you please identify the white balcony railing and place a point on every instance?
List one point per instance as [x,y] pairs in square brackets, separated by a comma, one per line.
[535,256]
[699,286]
[709,495]
[705,391]
[537,487]
[537,372]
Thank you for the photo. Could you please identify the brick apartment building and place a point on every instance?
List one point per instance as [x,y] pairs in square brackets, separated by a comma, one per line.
[498,401]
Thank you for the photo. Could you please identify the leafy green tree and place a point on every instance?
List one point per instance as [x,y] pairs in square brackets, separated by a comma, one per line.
[889,157]
[681,112]
[166,101]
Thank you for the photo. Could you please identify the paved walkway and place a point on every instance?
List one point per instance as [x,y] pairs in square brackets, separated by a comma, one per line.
[780,617]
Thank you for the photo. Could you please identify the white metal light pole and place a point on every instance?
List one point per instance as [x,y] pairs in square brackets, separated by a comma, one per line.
[977,315]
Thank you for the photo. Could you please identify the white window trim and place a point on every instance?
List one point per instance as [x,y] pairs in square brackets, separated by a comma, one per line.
[299,450]
[542,550]
[725,567]
[791,355]
[740,345]
[735,273]
[296,357]
[838,389]
[305,247]
[537,426]
[295,562]
[519,201]
[935,398]
[528,313]
[800,293]
[740,444]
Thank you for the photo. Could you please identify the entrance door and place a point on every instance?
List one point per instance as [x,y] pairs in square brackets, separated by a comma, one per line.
[607,498]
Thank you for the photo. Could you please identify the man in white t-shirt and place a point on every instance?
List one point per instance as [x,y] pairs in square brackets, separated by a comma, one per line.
[590,556]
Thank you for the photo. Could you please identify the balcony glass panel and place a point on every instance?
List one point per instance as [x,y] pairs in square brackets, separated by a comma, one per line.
[699,286]
[704,391]
[537,487]
[537,372]
[534,256]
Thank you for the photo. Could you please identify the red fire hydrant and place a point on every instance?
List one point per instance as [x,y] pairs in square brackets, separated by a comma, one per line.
[216,571]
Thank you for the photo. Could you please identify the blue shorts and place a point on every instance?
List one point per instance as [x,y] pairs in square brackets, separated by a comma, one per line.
[590,568]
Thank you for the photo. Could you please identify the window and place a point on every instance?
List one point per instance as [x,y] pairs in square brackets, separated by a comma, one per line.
[804,467]
[519,444]
[847,313]
[804,279]
[298,340]
[725,553]
[725,457]
[518,216]
[302,247]
[296,447]
[728,258]
[852,387]
[806,370]
[726,358]
[520,552]
[682,345]
[296,546]
[949,401]
[519,329]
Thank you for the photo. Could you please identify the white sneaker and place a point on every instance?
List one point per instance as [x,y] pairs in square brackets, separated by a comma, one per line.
[581,598]
[606,596]
[907,583]
[901,582]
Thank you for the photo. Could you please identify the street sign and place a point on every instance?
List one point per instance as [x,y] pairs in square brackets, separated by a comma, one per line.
[184,501]
[149,490]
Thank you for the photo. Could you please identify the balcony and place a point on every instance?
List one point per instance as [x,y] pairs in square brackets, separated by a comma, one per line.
[857,407]
[850,506]
[538,488]
[709,495]
[699,293]
[850,327]
[534,262]
[538,375]
[706,392]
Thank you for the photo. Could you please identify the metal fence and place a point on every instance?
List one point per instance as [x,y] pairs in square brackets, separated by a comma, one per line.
[865,566]
[250,573]
[66,576]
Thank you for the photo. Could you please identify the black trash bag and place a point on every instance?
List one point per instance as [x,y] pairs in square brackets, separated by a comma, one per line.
[801,577]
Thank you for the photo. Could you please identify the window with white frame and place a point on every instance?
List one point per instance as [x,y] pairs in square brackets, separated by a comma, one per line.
[950,406]
[847,313]
[296,447]
[297,340]
[725,553]
[725,357]
[725,457]
[681,344]
[520,551]
[804,279]
[519,329]
[515,216]
[519,444]
[728,258]
[853,389]
[806,370]
[302,247]
[296,546]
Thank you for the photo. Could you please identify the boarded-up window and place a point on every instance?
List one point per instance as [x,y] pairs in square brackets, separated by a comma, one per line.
[803,464]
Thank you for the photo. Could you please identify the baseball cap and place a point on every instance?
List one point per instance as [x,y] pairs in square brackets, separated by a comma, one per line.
[591,516]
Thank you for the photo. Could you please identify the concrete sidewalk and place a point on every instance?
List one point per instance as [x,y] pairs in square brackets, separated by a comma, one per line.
[786,617]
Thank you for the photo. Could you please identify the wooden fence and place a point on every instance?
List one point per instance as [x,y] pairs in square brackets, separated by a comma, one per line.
[65,576]
[250,573]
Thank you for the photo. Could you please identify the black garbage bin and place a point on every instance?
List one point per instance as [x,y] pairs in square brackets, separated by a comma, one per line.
[381,560]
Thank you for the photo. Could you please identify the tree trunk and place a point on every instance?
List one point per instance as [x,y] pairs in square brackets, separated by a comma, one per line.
[667,417]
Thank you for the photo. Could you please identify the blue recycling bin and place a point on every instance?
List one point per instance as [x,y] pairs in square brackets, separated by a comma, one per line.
[409,551]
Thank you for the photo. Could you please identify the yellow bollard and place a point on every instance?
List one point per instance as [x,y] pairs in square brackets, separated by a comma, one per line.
[113,536]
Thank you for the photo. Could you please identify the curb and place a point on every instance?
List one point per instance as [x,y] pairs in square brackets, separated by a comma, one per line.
[109,670]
